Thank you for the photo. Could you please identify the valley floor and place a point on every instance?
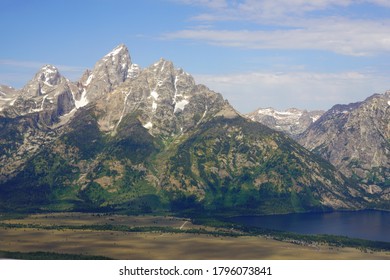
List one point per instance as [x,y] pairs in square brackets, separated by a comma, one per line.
[38,233]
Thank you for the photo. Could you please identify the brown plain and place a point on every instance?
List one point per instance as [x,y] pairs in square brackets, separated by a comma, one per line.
[157,245]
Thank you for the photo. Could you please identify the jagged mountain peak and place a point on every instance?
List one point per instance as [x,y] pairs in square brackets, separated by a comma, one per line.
[343,108]
[162,65]
[120,49]
[118,56]
[108,73]
[166,100]
[44,81]
[49,75]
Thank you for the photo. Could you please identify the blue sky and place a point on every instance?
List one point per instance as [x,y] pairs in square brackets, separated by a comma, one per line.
[279,53]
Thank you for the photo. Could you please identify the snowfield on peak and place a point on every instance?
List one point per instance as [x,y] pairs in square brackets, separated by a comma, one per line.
[115,51]
[291,121]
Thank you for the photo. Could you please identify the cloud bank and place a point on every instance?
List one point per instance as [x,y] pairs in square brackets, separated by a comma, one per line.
[247,91]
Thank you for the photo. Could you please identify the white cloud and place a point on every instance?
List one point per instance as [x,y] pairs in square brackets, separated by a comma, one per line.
[262,9]
[383,3]
[37,65]
[291,28]
[337,35]
[213,4]
[248,91]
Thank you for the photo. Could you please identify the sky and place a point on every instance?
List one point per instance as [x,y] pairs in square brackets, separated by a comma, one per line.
[256,53]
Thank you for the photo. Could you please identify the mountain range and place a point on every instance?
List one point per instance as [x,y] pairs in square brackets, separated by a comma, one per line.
[137,140]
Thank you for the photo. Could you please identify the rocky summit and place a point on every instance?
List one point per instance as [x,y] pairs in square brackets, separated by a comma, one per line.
[137,140]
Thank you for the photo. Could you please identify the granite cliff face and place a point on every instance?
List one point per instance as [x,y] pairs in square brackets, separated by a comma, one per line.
[166,100]
[356,139]
[109,72]
[7,96]
[144,140]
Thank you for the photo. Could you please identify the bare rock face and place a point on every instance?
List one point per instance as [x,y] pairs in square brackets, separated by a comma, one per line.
[28,115]
[109,72]
[7,96]
[166,100]
[292,121]
[356,139]
[48,94]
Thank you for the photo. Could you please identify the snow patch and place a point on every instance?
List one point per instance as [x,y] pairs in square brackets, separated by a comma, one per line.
[49,73]
[315,118]
[388,102]
[83,100]
[5,99]
[133,71]
[46,82]
[204,115]
[48,69]
[154,94]
[124,108]
[149,125]
[181,105]
[280,115]
[43,102]
[115,51]
[154,106]
[89,80]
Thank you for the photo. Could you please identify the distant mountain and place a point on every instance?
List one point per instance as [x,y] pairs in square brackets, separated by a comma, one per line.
[291,121]
[7,96]
[356,139]
[48,93]
[144,140]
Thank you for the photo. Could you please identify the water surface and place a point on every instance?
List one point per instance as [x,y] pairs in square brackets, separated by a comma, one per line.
[368,224]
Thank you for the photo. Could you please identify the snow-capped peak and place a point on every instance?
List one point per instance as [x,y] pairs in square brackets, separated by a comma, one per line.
[49,75]
[292,121]
[289,113]
[117,50]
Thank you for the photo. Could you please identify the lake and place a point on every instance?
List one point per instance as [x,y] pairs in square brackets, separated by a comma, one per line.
[367,224]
